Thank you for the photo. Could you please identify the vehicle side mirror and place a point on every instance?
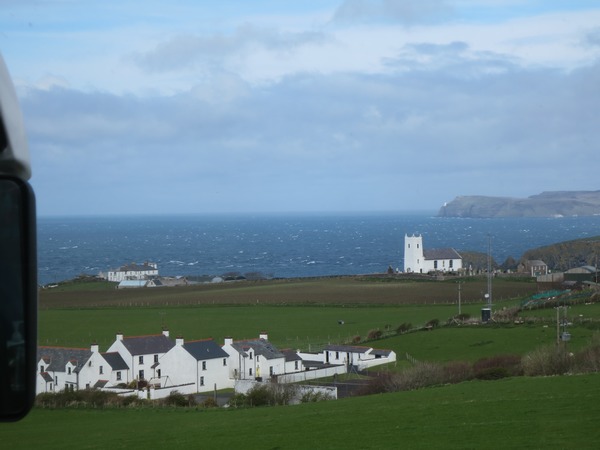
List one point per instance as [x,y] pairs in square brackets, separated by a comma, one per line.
[18,261]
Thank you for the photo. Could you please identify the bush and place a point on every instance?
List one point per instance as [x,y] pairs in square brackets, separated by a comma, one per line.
[549,360]
[315,396]
[403,328]
[495,367]
[356,339]
[209,403]
[457,372]
[433,323]
[176,398]
[374,334]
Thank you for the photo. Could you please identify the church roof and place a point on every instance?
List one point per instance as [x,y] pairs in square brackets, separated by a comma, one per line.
[441,253]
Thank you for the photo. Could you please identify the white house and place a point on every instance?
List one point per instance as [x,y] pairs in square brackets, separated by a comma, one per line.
[142,355]
[203,363]
[119,372]
[133,271]
[63,368]
[419,260]
[254,358]
[356,356]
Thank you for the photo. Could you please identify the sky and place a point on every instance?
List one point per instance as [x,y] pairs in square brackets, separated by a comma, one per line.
[316,106]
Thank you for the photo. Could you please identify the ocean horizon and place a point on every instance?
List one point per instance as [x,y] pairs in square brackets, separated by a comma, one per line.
[282,245]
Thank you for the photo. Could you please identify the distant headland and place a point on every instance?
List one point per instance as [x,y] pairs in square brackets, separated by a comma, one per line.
[546,204]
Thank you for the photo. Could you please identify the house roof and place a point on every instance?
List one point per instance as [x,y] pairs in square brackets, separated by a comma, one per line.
[261,347]
[58,357]
[441,253]
[347,348]
[145,345]
[381,352]
[100,384]
[115,361]
[291,355]
[205,349]
[47,377]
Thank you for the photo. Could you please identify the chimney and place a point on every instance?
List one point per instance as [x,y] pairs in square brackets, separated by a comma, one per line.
[119,336]
[228,340]
[263,335]
[94,348]
[165,332]
[178,340]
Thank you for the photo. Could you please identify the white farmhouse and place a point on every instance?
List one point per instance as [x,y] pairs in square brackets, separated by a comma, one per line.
[133,271]
[356,356]
[203,363]
[254,358]
[419,260]
[63,368]
[142,355]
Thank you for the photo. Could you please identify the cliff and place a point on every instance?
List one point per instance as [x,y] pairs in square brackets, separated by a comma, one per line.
[546,204]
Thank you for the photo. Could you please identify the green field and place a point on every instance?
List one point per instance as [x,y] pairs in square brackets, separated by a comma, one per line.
[553,412]
[523,413]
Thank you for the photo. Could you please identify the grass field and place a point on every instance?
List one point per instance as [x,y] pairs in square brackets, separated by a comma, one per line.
[523,413]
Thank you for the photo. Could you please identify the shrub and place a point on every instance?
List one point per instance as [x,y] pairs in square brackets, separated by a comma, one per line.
[176,398]
[209,403]
[315,396]
[457,372]
[356,339]
[548,360]
[403,328]
[433,323]
[374,334]
[496,367]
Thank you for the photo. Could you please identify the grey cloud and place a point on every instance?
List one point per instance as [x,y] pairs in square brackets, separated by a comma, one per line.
[191,50]
[317,142]
[406,12]
[592,38]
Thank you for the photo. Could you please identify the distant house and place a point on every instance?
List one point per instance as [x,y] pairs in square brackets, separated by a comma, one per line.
[142,354]
[133,271]
[533,267]
[63,368]
[254,358]
[203,363]
[419,260]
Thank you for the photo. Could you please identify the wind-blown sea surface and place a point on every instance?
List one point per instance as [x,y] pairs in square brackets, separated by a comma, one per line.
[280,245]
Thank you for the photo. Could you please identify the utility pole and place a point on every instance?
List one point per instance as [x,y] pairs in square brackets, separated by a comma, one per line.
[459,312]
[489,268]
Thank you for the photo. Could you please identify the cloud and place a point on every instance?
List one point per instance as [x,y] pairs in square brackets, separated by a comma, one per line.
[186,51]
[326,142]
[406,12]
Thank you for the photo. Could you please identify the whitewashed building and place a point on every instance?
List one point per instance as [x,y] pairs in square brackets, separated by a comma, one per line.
[63,368]
[356,356]
[419,260]
[143,354]
[133,271]
[203,363]
[254,358]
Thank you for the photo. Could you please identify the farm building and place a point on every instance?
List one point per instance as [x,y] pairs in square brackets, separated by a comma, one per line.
[133,271]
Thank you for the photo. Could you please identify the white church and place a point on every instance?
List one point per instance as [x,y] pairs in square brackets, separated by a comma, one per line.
[419,260]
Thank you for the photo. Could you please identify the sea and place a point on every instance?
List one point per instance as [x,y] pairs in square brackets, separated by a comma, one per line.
[280,245]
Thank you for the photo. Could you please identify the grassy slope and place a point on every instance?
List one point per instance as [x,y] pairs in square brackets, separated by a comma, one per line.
[554,412]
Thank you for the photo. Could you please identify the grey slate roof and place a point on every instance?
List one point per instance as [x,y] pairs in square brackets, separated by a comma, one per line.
[260,347]
[47,377]
[58,357]
[115,361]
[291,355]
[381,352]
[347,348]
[441,253]
[146,345]
[205,349]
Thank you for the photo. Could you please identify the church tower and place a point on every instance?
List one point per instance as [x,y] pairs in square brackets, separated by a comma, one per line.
[413,253]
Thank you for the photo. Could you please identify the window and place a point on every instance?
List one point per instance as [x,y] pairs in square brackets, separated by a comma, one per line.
[250,371]
[257,356]
[201,381]
[155,358]
[203,365]
[435,264]
[271,372]
[158,373]
[250,355]
[451,263]
[224,361]
[101,370]
[119,376]
[41,369]
[51,386]
[141,360]
[141,374]
[69,371]
[295,365]
[337,355]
